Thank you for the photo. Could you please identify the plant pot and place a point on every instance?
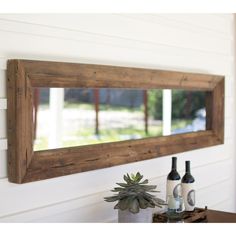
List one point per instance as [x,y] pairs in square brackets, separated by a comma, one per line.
[143,216]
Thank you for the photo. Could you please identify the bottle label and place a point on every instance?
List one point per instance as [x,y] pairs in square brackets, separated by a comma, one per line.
[173,188]
[188,193]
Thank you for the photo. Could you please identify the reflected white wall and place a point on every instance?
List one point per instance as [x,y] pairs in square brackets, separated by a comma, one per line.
[166,111]
[56,103]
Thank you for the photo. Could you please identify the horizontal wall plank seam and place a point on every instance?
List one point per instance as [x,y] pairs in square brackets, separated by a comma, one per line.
[161,176]
[220,202]
[202,26]
[218,33]
[85,205]
[196,167]
[56,204]
[136,17]
[116,37]
[225,180]
[229,19]
[212,52]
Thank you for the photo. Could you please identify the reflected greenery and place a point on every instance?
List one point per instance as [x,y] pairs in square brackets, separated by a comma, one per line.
[121,115]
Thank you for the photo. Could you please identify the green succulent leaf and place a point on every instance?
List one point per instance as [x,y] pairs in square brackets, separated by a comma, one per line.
[122,184]
[132,176]
[144,182]
[118,189]
[143,203]
[149,187]
[134,194]
[126,178]
[139,176]
[111,199]
[123,203]
[159,201]
[134,206]
[129,178]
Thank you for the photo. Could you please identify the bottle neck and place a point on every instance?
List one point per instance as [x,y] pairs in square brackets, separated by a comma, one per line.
[187,178]
[187,167]
[174,175]
[174,163]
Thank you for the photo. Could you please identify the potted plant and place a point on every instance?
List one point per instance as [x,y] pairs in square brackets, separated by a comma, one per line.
[135,203]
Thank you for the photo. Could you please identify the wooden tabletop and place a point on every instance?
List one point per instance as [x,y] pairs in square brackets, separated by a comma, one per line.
[220,217]
[200,215]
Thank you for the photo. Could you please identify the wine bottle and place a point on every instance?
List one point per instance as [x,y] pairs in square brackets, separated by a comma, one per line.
[173,185]
[188,191]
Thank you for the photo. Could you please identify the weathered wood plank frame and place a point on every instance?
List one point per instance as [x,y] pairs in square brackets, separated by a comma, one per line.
[25,165]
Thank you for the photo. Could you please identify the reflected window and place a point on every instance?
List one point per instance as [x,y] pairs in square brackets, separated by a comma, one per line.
[66,117]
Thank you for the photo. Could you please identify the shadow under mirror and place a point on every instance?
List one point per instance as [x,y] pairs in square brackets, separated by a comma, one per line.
[67,117]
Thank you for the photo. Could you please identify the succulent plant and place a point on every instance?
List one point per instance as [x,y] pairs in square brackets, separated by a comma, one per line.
[134,194]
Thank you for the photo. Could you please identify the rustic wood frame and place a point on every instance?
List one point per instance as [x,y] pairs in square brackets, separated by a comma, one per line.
[25,165]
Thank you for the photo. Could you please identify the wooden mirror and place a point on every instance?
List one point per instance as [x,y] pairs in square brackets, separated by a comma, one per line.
[31,85]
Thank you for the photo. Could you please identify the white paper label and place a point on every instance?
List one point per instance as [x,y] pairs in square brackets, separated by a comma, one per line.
[188,193]
[173,188]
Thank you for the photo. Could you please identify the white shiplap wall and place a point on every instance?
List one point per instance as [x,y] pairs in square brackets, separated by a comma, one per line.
[196,43]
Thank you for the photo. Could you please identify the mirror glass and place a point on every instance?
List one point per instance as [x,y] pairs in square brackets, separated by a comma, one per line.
[67,117]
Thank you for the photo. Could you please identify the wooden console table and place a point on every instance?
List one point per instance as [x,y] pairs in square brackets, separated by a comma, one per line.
[220,217]
[201,216]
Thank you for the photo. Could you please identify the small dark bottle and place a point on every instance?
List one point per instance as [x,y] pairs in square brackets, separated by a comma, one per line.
[173,185]
[188,188]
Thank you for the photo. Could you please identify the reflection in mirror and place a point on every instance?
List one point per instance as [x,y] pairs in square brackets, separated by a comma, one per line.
[75,117]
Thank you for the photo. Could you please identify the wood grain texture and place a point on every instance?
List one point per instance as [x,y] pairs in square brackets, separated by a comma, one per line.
[220,217]
[56,74]
[14,167]
[57,162]
[218,110]
[20,121]
[23,75]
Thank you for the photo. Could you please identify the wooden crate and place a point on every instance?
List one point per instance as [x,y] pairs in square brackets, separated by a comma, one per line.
[198,215]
